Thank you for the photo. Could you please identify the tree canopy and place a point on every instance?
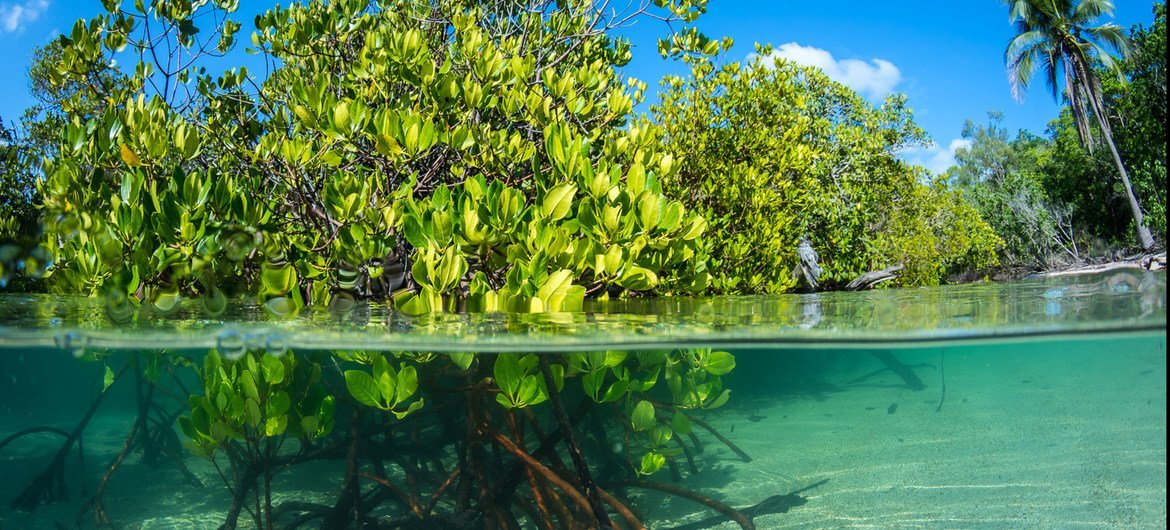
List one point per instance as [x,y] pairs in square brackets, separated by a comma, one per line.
[1064,40]
[772,152]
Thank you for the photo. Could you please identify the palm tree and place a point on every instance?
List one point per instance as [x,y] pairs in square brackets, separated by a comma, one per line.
[1059,38]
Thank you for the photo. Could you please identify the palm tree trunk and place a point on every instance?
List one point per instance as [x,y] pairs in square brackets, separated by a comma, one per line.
[1143,234]
[1093,93]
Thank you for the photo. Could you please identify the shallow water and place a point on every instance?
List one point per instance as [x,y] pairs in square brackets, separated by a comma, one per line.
[1031,404]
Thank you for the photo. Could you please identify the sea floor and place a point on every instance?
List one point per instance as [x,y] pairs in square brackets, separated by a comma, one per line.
[1035,437]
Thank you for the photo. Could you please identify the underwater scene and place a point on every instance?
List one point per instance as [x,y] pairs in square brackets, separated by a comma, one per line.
[1030,404]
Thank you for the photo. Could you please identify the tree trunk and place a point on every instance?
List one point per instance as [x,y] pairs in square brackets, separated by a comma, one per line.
[1144,237]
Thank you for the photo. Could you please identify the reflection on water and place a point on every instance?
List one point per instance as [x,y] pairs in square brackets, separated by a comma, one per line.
[1088,303]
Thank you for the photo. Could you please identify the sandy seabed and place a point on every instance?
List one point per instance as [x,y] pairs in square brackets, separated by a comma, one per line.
[1030,437]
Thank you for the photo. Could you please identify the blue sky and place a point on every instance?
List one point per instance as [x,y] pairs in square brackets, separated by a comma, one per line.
[946,56]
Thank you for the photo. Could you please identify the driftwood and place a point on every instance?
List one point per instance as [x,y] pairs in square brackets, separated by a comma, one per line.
[912,381]
[871,278]
[1150,262]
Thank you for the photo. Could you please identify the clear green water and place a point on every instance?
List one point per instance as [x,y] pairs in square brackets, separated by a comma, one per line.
[1035,404]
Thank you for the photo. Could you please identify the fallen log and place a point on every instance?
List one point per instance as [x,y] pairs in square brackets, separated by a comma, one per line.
[871,278]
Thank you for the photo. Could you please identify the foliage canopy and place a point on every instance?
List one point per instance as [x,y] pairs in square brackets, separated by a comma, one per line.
[775,152]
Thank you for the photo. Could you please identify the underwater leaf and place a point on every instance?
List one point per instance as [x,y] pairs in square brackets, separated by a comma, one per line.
[591,382]
[558,376]
[533,391]
[188,428]
[388,386]
[614,358]
[273,369]
[660,434]
[107,379]
[462,360]
[413,407]
[505,401]
[508,373]
[363,388]
[252,412]
[651,463]
[719,363]
[278,404]
[615,391]
[275,426]
[643,416]
[407,384]
[248,381]
[680,423]
[325,417]
[309,425]
[719,401]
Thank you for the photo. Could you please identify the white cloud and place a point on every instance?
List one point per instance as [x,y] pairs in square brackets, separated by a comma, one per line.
[935,157]
[13,17]
[875,78]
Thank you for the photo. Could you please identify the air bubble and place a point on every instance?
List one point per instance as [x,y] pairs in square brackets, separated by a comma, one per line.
[341,303]
[214,302]
[281,306]
[238,244]
[231,345]
[275,345]
[118,306]
[73,342]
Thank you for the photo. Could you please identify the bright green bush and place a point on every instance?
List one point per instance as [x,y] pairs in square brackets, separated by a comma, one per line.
[490,147]
[771,151]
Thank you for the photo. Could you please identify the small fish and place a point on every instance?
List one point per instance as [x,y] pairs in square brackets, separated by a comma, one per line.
[755,418]
[893,408]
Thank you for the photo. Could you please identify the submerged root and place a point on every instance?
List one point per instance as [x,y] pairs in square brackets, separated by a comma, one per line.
[49,484]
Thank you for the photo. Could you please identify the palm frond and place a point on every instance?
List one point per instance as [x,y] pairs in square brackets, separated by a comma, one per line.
[1089,10]
[1020,56]
[1052,70]
[1108,61]
[1077,106]
[1111,37]
[1017,9]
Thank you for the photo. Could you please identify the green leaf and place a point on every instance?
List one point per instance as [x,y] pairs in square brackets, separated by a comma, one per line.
[643,416]
[362,387]
[388,386]
[636,179]
[680,423]
[719,401]
[275,426]
[718,363]
[558,201]
[248,381]
[273,369]
[252,412]
[407,383]
[462,360]
[107,379]
[651,463]
[508,373]
[278,404]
